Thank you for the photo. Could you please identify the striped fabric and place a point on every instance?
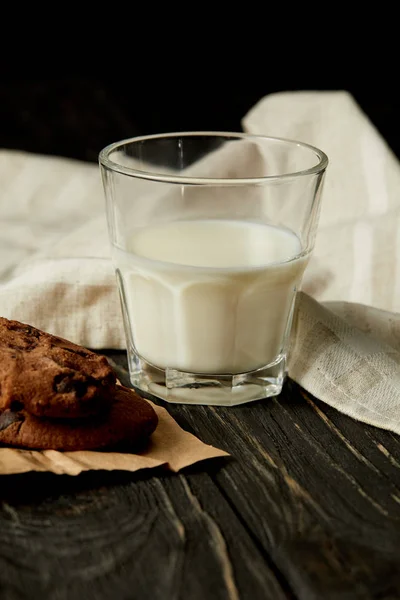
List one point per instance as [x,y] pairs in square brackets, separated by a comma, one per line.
[55,271]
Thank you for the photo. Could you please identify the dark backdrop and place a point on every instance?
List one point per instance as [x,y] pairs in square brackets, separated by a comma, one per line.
[76,114]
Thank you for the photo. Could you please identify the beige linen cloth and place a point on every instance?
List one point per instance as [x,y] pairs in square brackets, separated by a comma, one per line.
[56,274]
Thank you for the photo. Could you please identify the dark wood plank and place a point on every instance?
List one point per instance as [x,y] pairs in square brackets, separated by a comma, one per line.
[319,492]
[117,536]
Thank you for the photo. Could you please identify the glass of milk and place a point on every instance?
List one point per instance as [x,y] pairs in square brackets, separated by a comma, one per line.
[210,236]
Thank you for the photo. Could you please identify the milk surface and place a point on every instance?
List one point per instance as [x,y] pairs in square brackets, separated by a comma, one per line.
[210,296]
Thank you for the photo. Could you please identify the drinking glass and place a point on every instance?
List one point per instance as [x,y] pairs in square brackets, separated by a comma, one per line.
[210,235]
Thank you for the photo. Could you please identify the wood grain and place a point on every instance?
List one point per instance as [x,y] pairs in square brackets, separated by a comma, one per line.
[117,536]
[318,492]
[307,507]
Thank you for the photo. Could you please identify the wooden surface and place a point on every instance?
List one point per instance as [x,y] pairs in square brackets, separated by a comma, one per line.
[308,506]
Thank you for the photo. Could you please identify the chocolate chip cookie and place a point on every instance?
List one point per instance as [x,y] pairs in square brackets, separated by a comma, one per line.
[128,424]
[48,376]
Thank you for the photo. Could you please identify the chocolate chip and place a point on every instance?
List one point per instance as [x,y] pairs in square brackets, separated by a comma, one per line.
[65,384]
[81,388]
[25,329]
[9,417]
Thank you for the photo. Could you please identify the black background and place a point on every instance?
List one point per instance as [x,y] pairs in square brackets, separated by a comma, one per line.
[80,110]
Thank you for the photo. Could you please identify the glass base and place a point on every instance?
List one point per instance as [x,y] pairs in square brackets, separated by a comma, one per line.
[179,387]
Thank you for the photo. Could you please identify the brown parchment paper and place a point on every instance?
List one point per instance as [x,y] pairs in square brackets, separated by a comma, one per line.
[170,446]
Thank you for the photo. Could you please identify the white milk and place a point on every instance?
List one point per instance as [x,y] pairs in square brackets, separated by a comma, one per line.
[210,296]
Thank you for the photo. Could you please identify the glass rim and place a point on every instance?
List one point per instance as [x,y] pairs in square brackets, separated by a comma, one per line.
[106,162]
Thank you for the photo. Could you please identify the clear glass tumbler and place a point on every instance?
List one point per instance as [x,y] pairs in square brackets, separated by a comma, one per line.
[210,236]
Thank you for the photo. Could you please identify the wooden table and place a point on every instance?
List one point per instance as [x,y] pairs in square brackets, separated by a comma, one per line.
[308,507]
